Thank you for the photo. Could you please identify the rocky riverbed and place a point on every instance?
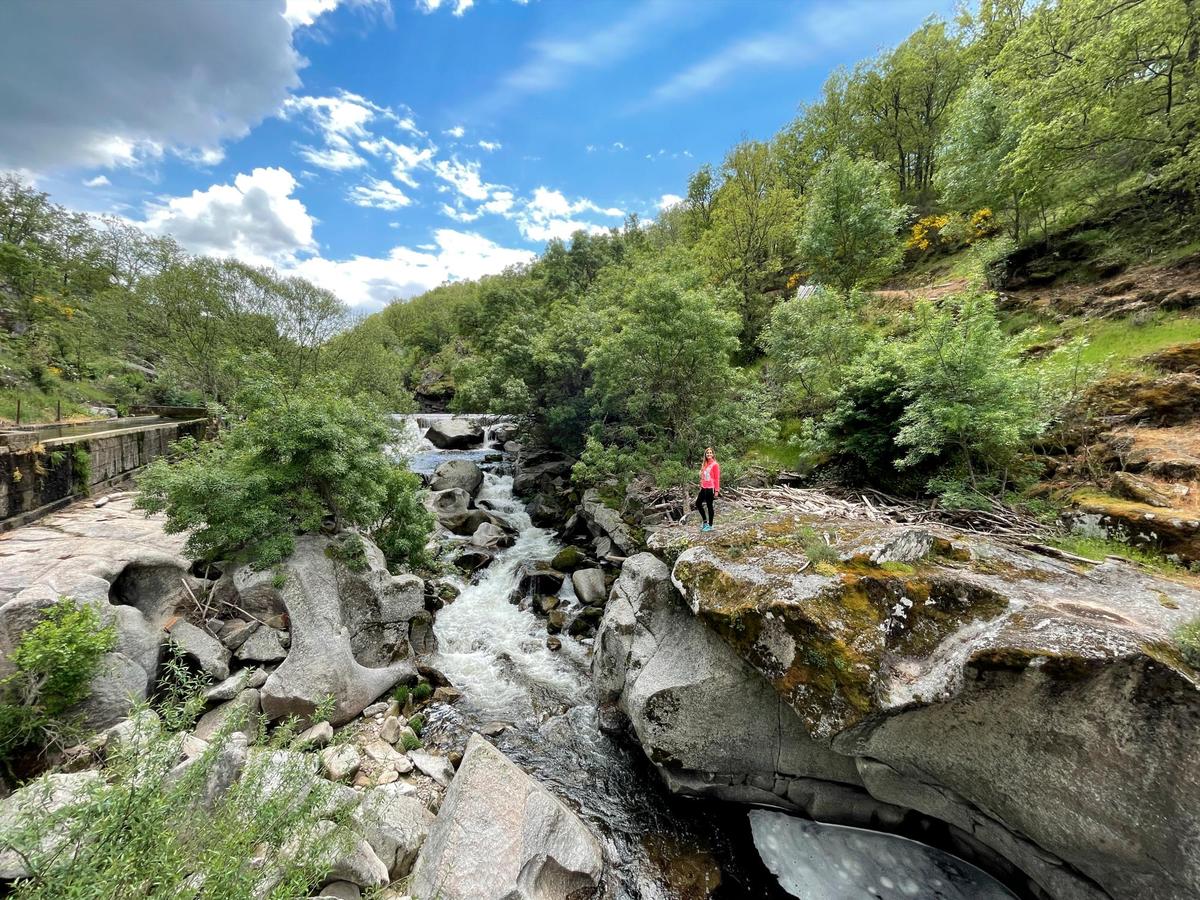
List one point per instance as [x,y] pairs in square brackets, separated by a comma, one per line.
[587,704]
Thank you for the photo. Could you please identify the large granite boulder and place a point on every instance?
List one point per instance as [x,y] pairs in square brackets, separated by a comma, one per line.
[501,836]
[1039,707]
[350,629]
[605,523]
[456,512]
[455,434]
[457,473]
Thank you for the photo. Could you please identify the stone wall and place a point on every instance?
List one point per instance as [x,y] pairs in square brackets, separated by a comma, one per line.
[41,476]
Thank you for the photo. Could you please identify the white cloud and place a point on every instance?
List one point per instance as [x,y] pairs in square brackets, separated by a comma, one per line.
[98,181]
[667,200]
[456,132]
[617,145]
[404,158]
[125,81]
[458,7]
[368,281]
[380,194]
[500,204]
[549,214]
[300,13]
[341,121]
[255,219]
[590,148]
[490,146]
[463,177]
[459,213]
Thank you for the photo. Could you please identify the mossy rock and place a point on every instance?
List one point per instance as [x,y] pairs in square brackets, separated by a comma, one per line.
[568,559]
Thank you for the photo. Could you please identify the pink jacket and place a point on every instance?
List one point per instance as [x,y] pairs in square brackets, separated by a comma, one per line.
[710,475]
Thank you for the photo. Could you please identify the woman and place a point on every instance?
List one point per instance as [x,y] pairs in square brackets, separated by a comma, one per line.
[710,487]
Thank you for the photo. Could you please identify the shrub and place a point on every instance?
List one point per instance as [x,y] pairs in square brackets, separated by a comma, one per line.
[298,457]
[403,530]
[401,694]
[816,548]
[416,723]
[409,742]
[1187,639]
[53,663]
[422,692]
[151,824]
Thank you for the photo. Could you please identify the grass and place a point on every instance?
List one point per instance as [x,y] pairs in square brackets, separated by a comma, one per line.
[1187,639]
[1098,548]
[1121,343]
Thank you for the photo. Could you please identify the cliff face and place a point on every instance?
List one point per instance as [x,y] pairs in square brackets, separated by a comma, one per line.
[1039,707]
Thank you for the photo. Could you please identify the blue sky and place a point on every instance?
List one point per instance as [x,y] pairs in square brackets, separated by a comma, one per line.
[380,147]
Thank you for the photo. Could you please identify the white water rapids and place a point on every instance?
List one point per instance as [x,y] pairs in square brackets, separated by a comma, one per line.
[657,846]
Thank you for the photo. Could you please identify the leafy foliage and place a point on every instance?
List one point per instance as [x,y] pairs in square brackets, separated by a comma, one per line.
[850,232]
[53,665]
[297,458]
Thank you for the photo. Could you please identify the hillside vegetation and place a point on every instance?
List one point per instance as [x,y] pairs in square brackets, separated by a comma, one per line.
[914,285]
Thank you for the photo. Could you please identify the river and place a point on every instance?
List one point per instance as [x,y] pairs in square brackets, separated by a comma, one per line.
[658,846]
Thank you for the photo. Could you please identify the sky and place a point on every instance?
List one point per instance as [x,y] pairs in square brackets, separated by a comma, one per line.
[383,147]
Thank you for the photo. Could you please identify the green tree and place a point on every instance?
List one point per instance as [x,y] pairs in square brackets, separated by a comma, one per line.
[299,457]
[751,237]
[849,233]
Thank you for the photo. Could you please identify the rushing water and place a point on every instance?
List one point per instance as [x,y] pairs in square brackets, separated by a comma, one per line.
[657,846]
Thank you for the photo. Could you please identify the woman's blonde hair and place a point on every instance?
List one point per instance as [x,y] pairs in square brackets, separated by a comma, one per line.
[708,450]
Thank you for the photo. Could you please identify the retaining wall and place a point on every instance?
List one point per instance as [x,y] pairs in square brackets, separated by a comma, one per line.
[36,478]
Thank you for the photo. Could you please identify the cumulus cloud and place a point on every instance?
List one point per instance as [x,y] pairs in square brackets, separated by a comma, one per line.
[456,132]
[463,177]
[549,214]
[490,146]
[98,181]
[668,200]
[370,282]
[255,219]
[458,7]
[300,13]
[380,194]
[120,82]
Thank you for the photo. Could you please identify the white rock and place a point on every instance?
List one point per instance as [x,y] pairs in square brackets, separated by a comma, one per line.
[339,763]
[436,767]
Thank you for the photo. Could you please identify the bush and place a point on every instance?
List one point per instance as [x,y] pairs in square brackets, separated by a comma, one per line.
[298,457]
[150,824]
[416,723]
[54,663]
[422,692]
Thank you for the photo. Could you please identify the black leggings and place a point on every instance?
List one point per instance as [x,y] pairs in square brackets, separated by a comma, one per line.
[704,503]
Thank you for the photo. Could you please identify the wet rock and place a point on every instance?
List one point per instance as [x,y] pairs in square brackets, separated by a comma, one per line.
[499,834]
[540,578]
[473,559]
[454,512]
[447,695]
[581,627]
[541,471]
[568,559]
[589,586]
[455,434]
[491,537]
[546,604]
[201,648]
[553,643]
[556,619]
[457,473]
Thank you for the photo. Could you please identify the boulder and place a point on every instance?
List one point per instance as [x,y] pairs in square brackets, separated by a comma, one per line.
[263,646]
[201,648]
[491,537]
[501,836]
[589,586]
[455,434]
[457,473]
[235,684]
[964,686]
[472,559]
[606,523]
[395,823]
[350,632]
[568,559]
[454,512]
[44,798]
[539,578]
[503,432]
[239,714]
[541,471]
[341,762]
[314,737]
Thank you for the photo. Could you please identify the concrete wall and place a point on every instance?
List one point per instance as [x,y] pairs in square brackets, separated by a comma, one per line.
[44,476]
